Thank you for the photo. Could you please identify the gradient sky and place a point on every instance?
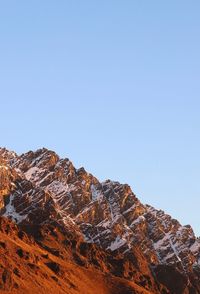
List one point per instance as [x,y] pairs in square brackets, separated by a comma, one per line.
[114,86]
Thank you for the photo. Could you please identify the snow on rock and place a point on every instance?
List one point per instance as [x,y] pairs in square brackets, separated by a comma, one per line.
[11,212]
[57,187]
[119,242]
[108,213]
[96,194]
[32,173]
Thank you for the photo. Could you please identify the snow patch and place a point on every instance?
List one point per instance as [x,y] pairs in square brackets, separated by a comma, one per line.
[31,173]
[11,212]
[95,193]
[117,243]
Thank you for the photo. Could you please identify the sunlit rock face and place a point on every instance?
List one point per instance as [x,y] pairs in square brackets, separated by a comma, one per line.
[42,188]
[7,176]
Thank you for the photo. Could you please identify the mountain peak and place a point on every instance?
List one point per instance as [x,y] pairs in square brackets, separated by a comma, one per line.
[40,188]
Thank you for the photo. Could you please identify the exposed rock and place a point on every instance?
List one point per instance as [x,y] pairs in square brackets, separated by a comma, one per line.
[39,189]
[6,279]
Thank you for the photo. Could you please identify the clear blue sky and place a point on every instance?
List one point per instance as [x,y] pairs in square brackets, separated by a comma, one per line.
[114,86]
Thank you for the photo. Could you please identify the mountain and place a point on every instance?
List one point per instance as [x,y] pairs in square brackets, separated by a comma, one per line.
[77,229]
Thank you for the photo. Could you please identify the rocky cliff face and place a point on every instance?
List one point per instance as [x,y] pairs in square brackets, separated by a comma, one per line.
[7,176]
[38,189]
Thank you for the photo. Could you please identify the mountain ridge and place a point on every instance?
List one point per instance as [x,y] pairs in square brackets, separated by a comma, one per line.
[40,188]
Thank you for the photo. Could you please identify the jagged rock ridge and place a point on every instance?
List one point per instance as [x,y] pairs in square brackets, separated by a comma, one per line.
[40,188]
